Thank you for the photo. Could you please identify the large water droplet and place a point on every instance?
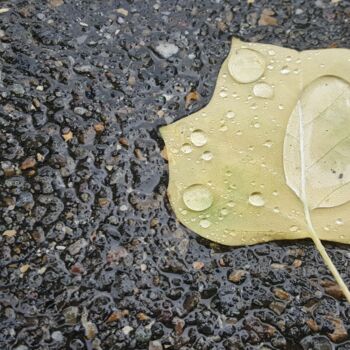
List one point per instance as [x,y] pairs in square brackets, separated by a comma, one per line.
[198,197]
[246,65]
[263,90]
[256,199]
[186,148]
[199,138]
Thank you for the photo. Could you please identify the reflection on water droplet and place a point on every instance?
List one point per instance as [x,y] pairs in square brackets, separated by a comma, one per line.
[198,138]
[271,52]
[339,221]
[230,115]
[256,199]
[204,223]
[246,65]
[186,148]
[228,173]
[341,236]
[207,155]
[263,90]
[223,128]
[257,125]
[280,107]
[276,209]
[270,67]
[197,197]
[275,193]
[285,70]
[231,204]
[293,228]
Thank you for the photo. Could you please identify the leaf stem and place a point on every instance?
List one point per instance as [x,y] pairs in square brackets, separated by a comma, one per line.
[303,197]
[326,257]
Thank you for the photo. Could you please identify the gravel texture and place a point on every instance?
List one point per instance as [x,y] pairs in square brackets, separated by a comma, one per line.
[91,254]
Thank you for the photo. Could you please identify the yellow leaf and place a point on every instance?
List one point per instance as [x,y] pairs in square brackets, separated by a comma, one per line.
[235,167]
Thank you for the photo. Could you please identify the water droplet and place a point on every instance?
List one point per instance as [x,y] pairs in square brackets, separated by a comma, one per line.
[207,155]
[339,221]
[199,138]
[263,90]
[198,197]
[288,58]
[228,173]
[231,204]
[223,93]
[268,143]
[275,193]
[256,199]
[224,212]
[257,125]
[285,70]
[186,148]
[230,115]
[341,236]
[232,233]
[281,107]
[293,228]
[246,65]
[276,209]
[271,52]
[223,128]
[270,67]
[204,223]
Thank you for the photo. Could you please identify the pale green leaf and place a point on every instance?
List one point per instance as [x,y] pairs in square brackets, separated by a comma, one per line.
[235,166]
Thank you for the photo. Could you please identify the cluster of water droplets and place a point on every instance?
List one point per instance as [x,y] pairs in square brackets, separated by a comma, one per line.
[245,66]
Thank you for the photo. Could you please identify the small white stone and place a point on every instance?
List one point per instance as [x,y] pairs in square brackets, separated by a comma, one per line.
[57,336]
[167,50]
[127,329]
[122,11]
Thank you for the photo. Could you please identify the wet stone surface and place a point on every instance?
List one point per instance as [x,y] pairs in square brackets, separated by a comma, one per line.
[91,254]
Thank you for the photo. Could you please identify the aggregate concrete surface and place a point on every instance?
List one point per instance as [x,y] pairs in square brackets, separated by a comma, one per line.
[91,254]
